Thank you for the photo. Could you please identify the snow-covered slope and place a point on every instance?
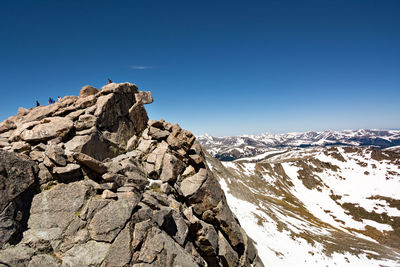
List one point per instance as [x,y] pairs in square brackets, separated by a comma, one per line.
[318,206]
[234,147]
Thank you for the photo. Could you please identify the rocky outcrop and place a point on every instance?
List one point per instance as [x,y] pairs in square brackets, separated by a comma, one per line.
[91,181]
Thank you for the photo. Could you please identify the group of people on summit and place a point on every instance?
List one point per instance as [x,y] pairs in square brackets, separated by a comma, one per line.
[51,100]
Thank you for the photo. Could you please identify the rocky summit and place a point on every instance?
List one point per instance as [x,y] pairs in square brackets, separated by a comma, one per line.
[91,181]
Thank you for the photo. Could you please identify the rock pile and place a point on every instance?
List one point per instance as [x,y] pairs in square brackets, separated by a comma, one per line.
[91,181]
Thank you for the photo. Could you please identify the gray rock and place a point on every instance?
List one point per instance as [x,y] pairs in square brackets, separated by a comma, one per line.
[17,256]
[56,154]
[16,175]
[7,125]
[75,114]
[44,174]
[181,139]
[94,145]
[91,253]
[119,88]
[144,97]
[191,184]
[159,248]
[48,129]
[90,162]
[158,134]
[132,142]
[107,194]
[229,224]
[44,260]
[20,147]
[172,167]
[85,121]
[146,145]
[140,232]
[109,221]
[119,254]
[36,155]
[52,210]
[206,238]
[85,102]
[68,172]
[226,252]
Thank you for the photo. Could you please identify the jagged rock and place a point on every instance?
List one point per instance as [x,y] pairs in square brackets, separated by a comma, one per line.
[158,134]
[144,97]
[107,194]
[146,145]
[90,162]
[44,174]
[16,256]
[75,114]
[157,124]
[115,208]
[56,154]
[109,221]
[20,147]
[17,174]
[48,129]
[119,88]
[132,142]
[85,121]
[172,167]
[230,227]
[181,139]
[16,134]
[58,206]
[94,145]
[68,172]
[85,102]
[91,253]
[226,252]
[159,248]
[206,238]
[36,155]
[44,260]
[188,171]
[191,184]
[88,90]
[7,125]
[22,111]
[120,252]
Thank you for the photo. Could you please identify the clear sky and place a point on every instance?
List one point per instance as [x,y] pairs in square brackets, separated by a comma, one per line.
[218,67]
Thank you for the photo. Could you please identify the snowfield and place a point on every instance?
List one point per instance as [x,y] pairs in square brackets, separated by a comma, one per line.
[344,215]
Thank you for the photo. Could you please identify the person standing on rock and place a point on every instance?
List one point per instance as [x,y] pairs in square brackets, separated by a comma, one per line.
[37,103]
[58,98]
[51,101]
[109,81]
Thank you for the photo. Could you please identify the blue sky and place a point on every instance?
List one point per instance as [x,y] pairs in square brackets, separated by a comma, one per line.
[221,67]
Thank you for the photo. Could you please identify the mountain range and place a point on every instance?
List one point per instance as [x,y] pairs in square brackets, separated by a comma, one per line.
[233,147]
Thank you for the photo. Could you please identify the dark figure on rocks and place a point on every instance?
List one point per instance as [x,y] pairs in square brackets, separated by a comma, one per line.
[37,103]
[109,81]
[51,100]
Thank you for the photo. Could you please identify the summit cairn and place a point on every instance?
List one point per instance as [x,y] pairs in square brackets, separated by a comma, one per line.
[91,181]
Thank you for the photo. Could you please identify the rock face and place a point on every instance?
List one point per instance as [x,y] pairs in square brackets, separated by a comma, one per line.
[91,181]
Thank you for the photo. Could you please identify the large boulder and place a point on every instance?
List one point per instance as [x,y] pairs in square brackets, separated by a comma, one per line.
[49,128]
[88,90]
[17,174]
